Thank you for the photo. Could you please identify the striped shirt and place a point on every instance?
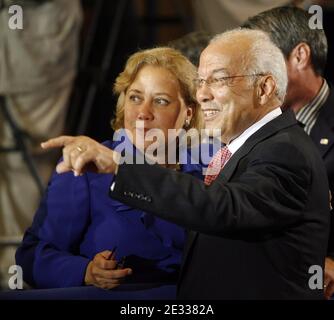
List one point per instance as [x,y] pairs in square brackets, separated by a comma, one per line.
[309,113]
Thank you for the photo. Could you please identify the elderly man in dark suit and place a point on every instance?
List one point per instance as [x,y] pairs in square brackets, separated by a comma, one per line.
[308,95]
[260,225]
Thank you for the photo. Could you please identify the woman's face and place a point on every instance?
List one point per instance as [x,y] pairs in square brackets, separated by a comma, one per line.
[154,101]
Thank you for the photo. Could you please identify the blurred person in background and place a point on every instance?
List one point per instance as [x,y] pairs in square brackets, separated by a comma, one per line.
[37,68]
[216,16]
[192,44]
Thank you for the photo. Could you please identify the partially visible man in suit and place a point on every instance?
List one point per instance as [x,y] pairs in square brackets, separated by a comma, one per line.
[260,226]
[308,94]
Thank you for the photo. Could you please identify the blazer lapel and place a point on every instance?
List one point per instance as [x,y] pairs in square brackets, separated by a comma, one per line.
[286,119]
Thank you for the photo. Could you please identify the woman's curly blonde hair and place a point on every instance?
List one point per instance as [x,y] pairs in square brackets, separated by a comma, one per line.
[169,59]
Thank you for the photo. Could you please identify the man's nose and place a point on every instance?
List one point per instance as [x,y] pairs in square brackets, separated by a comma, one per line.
[204,94]
[145,111]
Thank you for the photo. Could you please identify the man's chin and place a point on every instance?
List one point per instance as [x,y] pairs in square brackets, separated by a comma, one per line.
[212,127]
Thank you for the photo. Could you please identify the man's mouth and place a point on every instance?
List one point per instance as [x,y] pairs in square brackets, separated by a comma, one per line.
[210,114]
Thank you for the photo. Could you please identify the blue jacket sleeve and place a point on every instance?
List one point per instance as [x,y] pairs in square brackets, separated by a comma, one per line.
[50,250]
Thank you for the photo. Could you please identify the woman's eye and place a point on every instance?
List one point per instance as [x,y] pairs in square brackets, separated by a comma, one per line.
[135,98]
[162,101]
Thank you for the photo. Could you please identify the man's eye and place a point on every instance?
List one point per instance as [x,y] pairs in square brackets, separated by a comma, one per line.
[221,80]
[162,101]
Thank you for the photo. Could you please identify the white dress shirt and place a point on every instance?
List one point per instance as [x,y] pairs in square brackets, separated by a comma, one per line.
[240,140]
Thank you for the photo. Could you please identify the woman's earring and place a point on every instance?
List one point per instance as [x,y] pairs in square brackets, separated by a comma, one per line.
[187,123]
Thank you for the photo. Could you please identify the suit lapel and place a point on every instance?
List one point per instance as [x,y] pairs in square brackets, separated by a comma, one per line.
[286,119]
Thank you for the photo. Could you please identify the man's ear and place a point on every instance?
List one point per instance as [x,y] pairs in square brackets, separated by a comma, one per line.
[266,89]
[300,56]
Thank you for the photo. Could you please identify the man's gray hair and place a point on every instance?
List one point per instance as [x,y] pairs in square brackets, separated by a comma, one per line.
[263,56]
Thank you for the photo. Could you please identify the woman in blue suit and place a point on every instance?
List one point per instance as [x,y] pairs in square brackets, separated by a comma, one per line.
[77,225]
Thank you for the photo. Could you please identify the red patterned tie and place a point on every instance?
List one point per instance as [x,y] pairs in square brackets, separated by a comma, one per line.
[217,164]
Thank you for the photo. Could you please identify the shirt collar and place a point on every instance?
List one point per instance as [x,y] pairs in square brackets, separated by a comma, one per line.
[240,140]
[314,105]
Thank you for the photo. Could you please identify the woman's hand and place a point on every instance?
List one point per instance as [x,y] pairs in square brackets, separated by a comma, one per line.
[81,154]
[101,271]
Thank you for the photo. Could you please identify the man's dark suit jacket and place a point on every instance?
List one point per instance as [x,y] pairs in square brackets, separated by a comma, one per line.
[324,129]
[257,229]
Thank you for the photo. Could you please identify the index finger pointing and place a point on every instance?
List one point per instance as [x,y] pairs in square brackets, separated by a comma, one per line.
[57,142]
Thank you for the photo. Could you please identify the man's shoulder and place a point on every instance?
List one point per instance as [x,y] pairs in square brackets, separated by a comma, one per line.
[288,145]
[286,141]
[278,136]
